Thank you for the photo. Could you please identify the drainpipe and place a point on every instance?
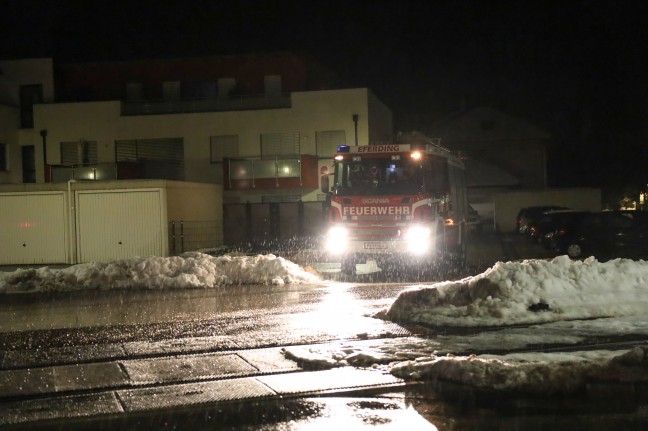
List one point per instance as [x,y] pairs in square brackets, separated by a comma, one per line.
[71,223]
[355,124]
[47,173]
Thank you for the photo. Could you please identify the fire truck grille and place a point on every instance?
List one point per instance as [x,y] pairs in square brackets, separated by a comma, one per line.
[374,233]
[379,217]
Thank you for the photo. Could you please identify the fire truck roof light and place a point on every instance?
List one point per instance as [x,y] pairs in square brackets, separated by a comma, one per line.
[339,157]
[416,155]
[343,149]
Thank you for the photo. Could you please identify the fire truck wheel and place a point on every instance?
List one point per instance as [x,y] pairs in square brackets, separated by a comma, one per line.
[348,266]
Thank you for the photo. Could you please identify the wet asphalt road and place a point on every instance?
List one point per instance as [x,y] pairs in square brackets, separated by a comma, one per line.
[122,349]
[249,316]
[144,338]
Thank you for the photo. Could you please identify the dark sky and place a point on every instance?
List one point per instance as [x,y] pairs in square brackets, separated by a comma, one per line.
[572,67]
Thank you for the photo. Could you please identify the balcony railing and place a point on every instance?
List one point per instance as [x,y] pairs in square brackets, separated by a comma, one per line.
[265,173]
[96,172]
[232,103]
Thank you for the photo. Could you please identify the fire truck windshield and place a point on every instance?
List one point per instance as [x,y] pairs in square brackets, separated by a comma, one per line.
[378,176]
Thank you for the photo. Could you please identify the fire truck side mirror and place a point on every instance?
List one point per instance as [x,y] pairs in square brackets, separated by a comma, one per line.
[324,180]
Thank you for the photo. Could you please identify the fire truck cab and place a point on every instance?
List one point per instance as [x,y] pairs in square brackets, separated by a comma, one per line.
[403,204]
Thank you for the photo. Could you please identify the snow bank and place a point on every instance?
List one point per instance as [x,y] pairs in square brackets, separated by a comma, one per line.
[529,373]
[534,373]
[191,270]
[508,293]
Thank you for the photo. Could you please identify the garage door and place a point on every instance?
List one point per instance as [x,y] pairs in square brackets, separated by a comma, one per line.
[32,228]
[114,224]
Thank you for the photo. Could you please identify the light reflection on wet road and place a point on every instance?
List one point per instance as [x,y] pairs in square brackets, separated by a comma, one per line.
[337,309]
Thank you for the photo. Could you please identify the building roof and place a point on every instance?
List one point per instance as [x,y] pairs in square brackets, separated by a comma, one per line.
[486,124]
[483,174]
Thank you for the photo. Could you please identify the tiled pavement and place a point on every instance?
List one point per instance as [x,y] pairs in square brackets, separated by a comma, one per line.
[147,384]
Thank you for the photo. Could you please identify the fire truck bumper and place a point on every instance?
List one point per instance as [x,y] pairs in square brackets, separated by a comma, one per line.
[385,249]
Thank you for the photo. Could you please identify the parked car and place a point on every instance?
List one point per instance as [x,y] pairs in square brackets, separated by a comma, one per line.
[550,223]
[475,222]
[528,216]
[605,235]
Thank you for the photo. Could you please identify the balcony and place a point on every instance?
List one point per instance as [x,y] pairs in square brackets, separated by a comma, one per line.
[288,172]
[96,172]
[183,106]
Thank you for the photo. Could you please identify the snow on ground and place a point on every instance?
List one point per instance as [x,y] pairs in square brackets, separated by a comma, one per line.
[191,270]
[504,295]
[512,306]
[527,372]
[559,302]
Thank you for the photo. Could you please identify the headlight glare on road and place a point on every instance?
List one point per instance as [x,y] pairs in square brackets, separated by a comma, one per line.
[418,239]
[336,240]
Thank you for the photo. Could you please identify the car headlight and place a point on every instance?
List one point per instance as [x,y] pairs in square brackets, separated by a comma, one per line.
[336,239]
[418,239]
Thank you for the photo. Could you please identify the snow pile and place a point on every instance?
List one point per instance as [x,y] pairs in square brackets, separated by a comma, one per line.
[361,354]
[531,291]
[534,373]
[517,304]
[191,270]
[529,373]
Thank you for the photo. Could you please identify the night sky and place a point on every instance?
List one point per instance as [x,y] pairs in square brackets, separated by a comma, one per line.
[574,68]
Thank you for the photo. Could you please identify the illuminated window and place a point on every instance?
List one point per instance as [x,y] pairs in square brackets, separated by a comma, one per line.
[288,168]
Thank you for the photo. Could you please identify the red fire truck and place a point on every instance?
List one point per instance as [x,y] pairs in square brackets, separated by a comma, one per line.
[399,203]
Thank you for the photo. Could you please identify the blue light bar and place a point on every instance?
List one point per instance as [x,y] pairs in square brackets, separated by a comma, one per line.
[343,149]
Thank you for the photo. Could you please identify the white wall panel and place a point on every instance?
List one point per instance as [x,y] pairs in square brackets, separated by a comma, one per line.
[33,228]
[115,224]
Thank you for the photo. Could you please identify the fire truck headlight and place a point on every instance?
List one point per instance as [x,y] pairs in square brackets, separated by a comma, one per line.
[418,239]
[336,240]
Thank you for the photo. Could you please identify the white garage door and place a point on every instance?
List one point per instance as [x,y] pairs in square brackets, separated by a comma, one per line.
[32,228]
[114,224]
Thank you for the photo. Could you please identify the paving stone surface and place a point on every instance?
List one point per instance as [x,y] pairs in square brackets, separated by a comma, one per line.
[28,411]
[186,367]
[187,394]
[89,376]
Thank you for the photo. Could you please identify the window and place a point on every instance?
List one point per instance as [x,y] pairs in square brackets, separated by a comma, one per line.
[28,155]
[29,96]
[79,152]
[280,144]
[221,147]
[159,158]
[3,158]
[328,141]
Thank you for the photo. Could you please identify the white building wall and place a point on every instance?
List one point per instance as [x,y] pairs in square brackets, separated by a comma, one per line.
[9,122]
[25,72]
[310,112]
[380,120]
[507,205]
